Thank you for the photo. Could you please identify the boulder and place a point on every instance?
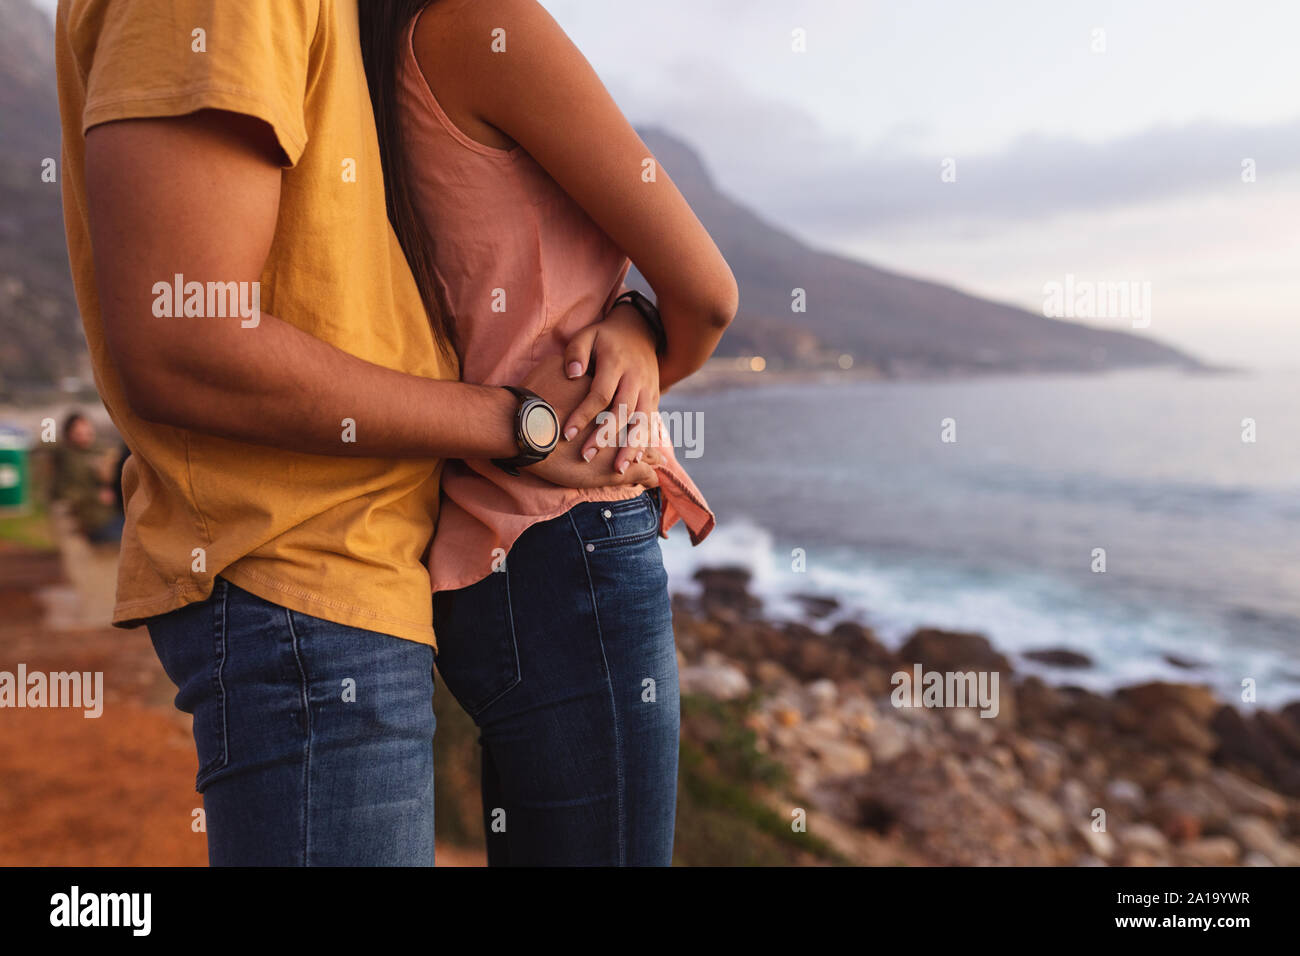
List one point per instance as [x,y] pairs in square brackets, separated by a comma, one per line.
[1144,837]
[719,681]
[938,650]
[1211,851]
[886,740]
[1088,706]
[1157,696]
[1038,811]
[816,605]
[1099,842]
[1041,760]
[1244,741]
[822,693]
[1284,735]
[1144,858]
[771,674]
[1179,729]
[1243,796]
[727,587]
[1058,657]
[1074,800]
[811,657]
[1258,835]
[1184,811]
[862,643]
[838,758]
[1039,702]
[1125,793]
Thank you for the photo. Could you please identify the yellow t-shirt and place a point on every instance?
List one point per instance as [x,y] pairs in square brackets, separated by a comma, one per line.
[337,538]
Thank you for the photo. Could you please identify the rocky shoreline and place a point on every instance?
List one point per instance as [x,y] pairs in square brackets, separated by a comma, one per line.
[1154,774]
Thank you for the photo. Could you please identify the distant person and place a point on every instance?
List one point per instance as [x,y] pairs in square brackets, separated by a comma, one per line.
[84,480]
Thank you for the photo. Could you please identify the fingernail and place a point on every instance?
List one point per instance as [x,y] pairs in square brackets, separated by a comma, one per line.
[622,467]
[640,454]
[570,432]
[575,369]
[589,454]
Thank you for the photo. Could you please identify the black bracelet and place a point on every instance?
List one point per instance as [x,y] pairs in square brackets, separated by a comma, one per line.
[650,312]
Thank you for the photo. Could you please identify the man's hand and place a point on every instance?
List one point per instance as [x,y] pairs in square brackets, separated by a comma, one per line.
[620,350]
[568,466]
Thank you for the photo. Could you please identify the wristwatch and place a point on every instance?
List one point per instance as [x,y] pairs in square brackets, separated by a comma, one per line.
[537,430]
[650,312]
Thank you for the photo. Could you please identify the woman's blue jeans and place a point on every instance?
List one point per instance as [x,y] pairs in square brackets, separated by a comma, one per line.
[565,660]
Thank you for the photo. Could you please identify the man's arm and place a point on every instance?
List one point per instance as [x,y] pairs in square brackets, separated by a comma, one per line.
[198,195]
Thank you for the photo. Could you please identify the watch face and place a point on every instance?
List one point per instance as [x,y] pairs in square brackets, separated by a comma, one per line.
[540,426]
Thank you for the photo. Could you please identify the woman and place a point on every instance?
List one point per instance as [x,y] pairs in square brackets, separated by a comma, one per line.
[519,191]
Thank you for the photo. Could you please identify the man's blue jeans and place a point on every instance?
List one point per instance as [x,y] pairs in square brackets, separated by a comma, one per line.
[315,740]
[566,661]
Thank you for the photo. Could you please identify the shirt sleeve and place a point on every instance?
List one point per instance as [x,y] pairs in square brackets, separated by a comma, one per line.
[157,58]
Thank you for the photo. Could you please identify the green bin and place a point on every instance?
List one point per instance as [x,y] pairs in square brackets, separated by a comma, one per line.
[15,486]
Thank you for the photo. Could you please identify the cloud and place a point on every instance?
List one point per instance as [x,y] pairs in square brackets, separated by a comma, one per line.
[1035,177]
[781,158]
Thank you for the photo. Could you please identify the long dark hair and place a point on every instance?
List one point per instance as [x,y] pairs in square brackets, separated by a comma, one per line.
[383,37]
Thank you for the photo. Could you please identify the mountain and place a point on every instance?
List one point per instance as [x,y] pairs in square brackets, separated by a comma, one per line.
[883,319]
[893,322]
[40,332]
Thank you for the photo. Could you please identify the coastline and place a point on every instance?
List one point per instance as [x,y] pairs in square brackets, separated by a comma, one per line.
[725,374]
[1160,773]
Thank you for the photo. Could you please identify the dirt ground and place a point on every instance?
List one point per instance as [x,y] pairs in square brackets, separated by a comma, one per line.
[117,790]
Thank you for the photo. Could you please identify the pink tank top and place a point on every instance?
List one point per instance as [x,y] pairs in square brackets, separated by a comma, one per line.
[500,222]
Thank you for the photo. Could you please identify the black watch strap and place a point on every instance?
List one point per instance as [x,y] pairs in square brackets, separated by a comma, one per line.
[650,312]
[529,452]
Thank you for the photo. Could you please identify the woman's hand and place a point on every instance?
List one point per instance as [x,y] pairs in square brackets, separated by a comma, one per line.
[620,350]
[566,465]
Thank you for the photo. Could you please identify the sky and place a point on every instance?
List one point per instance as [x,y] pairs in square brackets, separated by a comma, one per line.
[1106,157]
[1111,157]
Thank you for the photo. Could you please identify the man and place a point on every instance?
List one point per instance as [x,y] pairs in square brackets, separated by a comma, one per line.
[261,345]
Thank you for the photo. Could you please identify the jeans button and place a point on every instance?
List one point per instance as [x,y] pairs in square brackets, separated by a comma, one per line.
[607,513]
[591,547]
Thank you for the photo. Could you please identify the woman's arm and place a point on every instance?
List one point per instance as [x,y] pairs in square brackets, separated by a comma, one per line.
[543,94]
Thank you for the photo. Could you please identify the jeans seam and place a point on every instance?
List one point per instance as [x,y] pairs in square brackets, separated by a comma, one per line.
[218,678]
[518,677]
[306,764]
[629,538]
[614,713]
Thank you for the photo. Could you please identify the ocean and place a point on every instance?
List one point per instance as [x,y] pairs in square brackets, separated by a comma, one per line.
[997,531]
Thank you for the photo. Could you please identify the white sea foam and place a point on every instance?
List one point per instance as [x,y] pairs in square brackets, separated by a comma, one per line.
[1017,612]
